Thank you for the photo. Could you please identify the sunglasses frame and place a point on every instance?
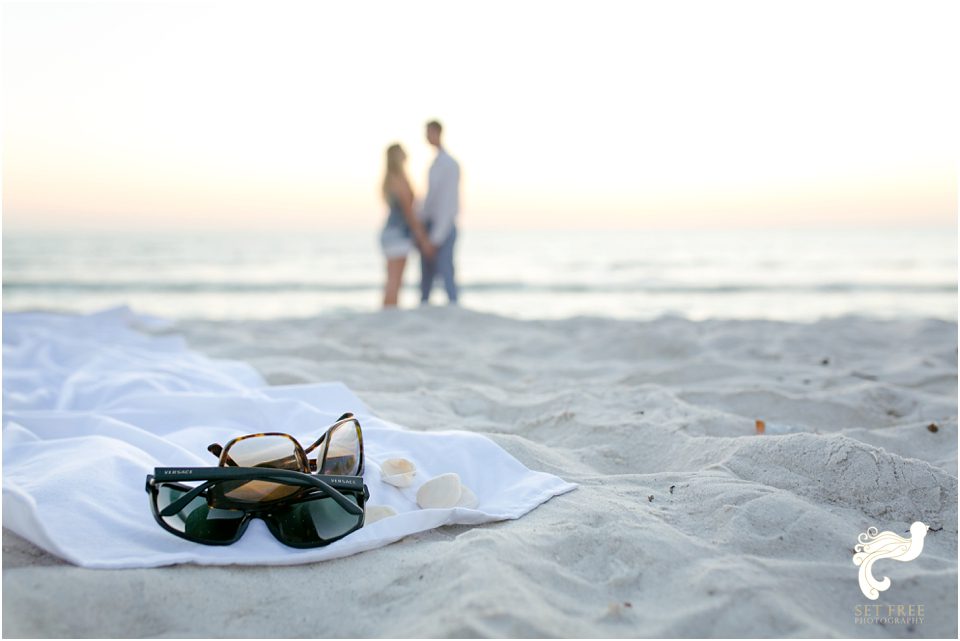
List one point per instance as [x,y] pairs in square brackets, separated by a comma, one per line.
[315,486]
[302,454]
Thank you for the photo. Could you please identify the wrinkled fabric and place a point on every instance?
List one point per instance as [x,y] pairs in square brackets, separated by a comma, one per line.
[91,406]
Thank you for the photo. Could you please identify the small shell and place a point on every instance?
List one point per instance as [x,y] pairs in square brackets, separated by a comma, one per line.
[376,512]
[442,491]
[467,498]
[398,472]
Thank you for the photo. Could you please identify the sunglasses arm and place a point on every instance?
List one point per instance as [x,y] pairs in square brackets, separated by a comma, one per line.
[216,449]
[213,474]
[184,500]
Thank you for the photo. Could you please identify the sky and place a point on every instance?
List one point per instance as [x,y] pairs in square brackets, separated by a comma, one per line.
[276,115]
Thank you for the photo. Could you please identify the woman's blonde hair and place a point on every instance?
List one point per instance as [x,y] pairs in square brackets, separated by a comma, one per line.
[395,158]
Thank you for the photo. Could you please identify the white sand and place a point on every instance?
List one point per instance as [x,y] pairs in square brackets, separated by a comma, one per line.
[685,524]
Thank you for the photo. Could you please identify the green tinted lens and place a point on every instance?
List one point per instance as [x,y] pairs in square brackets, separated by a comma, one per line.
[314,522]
[198,520]
[343,451]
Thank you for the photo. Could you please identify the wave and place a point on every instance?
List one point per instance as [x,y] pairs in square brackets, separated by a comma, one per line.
[241,287]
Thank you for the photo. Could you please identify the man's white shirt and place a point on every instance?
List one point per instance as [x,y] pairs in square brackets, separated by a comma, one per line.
[442,203]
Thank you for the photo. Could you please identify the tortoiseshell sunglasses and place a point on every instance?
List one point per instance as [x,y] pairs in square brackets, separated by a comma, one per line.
[342,453]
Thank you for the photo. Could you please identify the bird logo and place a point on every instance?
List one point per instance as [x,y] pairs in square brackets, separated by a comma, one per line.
[886,545]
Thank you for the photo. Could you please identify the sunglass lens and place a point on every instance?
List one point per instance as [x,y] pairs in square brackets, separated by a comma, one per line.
[197,520]
[314,522]
[343,451]
[259,451]
[265,451]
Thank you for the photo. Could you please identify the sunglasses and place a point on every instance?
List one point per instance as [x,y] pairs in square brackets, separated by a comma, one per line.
[342,453]
[300,510]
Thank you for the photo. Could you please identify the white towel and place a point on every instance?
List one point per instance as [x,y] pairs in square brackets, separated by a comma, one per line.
[91,406]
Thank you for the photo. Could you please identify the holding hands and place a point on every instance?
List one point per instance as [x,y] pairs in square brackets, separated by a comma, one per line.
[428,249]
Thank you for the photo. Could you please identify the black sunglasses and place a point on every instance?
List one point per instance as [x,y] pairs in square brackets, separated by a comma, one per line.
[300,510]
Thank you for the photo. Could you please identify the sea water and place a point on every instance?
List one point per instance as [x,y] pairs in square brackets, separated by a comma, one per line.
[774,274]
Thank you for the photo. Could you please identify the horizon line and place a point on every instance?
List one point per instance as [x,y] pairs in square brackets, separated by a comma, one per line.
[339,227]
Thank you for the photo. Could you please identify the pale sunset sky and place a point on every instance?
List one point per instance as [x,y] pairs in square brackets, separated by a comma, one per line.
[276,115]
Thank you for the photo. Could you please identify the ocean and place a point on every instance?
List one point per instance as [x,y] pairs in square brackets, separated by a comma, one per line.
[798,275]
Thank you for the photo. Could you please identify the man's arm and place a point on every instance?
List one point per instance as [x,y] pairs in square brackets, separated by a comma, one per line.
[446,201]
[429,205]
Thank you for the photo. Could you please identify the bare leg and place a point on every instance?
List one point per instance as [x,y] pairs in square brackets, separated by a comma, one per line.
[394,279]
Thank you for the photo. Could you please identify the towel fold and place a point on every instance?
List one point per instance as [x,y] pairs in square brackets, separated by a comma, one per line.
[91,406]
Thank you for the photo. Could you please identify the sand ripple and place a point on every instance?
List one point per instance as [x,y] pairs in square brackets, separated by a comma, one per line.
[686,523]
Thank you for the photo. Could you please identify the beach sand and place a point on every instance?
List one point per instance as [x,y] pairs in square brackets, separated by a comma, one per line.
[686,522]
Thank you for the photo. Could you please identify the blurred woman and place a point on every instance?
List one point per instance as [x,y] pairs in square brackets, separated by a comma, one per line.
[403,229]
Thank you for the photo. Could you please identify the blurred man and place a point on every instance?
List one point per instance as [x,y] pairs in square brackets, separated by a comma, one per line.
[439,215]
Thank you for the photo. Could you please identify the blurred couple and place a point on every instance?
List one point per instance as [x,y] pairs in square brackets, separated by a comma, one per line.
[432,230]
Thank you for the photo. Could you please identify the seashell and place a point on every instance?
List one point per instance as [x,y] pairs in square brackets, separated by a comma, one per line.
[467,498]
[442,491]
[376,512]
[398,472]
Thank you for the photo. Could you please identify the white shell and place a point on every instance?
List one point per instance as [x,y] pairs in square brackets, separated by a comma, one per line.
[376,512]
[398,472]
[442,491]
[467,498]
